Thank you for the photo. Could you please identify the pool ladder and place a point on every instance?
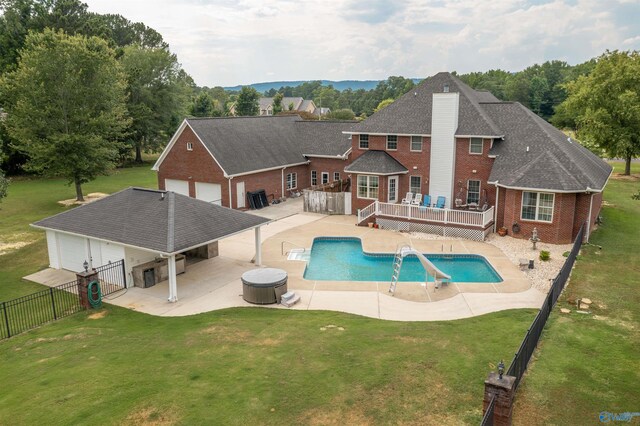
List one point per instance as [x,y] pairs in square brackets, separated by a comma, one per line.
[397,265]
[450,256]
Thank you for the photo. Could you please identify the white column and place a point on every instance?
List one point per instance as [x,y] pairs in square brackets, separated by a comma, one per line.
[258,247]
[173,283]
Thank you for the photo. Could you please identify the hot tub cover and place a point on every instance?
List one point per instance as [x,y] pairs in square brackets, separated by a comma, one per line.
[264,277]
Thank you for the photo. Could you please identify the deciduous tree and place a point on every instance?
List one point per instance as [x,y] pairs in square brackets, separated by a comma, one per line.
[247,102]
[606,105]
[66,106]
[158,96]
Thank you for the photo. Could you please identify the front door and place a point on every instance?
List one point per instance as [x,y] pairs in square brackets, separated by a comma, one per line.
[241,194]
[393,189]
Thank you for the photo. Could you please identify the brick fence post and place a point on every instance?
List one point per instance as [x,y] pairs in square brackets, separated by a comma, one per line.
[84,278]
[503,390]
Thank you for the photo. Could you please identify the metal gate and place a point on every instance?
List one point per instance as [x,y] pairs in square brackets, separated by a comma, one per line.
[112,277]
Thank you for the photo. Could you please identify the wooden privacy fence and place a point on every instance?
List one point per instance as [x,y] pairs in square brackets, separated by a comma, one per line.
[326,202]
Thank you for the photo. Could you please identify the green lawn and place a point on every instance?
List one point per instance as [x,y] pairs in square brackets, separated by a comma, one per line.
[591,363]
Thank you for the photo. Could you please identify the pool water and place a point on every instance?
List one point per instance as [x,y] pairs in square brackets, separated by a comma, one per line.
[342,259]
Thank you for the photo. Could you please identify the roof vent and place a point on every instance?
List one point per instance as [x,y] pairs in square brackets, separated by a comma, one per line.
[445,89]
[527,149]
[569,139]
[415,93]
[162,196]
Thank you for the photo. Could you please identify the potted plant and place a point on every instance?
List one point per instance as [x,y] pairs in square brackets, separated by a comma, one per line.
[502,231]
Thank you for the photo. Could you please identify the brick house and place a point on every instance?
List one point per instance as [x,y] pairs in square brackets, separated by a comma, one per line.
[446,139]
[496,163]
[220,160]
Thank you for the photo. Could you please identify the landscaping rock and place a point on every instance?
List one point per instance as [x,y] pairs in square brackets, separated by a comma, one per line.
[565,310]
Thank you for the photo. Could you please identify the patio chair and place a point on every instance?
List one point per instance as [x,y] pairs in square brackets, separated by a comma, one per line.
[426,201]
[441,201]
[407,198]
[416,201]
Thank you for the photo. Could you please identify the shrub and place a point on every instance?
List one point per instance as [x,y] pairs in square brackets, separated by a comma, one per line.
[545,255]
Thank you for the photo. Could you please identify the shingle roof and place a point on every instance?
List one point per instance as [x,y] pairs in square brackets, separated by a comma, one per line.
[411,113]
[246,144]
[553,161]
[157,220]
[297,102]
[324,137]
[376,162]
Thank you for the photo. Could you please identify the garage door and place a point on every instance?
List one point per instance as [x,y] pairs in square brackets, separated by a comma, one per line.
[73,252]
[179,186]
[209,192]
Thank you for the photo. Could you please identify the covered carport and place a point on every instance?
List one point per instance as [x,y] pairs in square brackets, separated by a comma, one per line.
[142,225]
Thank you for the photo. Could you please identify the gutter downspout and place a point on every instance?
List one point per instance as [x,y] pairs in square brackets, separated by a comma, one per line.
[588,233]
[230,194]
[282,183]
[495,212]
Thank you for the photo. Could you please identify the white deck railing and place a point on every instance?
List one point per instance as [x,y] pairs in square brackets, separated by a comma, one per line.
[428,214]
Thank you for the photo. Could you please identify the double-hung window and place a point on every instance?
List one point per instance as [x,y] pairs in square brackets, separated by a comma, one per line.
[415,184]
[292,180]
[325,177]
[392,142]
[368,187]
[475,146]
[537,206]
[416,143]
[473,191]
[336,176]
[314,177]
[364,142]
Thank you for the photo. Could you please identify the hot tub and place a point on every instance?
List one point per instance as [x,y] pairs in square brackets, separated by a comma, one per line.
[264,286]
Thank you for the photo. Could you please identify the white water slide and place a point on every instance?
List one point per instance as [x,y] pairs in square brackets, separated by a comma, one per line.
[429,267]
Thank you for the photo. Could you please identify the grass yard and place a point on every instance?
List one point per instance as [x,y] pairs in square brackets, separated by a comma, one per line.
[591,363]
[252,366]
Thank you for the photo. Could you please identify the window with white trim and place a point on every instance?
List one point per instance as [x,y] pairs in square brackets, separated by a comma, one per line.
[368,187]
[473,191]
[189,146]
[336,176]
[537,206]
[416,143]
[364,142]
[325,177]
[292,180]
[392,142]
[314,177]
[415,184]
[475,146]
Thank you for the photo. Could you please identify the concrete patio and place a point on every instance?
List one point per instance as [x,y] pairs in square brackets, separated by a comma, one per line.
[215,283]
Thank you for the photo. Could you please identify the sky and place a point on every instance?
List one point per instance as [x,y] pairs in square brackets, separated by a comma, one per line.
[231,42]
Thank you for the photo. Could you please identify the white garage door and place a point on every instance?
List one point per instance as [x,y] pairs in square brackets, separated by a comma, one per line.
[73,252]
[209,192]
[179,186]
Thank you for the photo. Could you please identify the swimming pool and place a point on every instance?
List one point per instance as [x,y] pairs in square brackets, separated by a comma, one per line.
[342,259]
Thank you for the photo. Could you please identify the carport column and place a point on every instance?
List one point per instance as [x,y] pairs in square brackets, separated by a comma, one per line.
[173,286]
[258,247]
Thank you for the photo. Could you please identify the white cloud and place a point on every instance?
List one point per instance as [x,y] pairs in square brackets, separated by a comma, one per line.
[226,42]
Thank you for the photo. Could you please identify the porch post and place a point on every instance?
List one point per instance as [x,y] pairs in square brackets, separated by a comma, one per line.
[173,285]
[258,247]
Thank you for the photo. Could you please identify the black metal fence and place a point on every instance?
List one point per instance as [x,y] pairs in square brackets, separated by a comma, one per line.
[487,420]
[112,277]
[525,351]
[30,311]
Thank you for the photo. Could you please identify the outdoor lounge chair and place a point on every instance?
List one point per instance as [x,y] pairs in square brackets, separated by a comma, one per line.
[416,201]
[426,201]
[440,202]
[407,198]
